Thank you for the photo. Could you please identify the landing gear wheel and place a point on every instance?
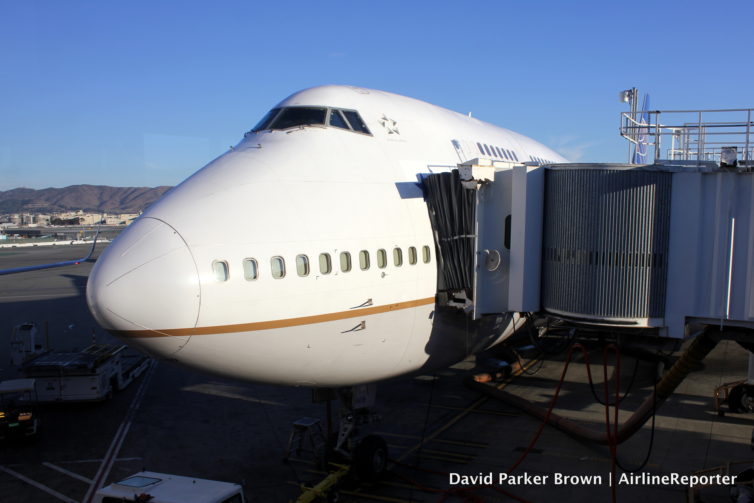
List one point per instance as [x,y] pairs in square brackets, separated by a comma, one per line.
[370,458]
[741,398]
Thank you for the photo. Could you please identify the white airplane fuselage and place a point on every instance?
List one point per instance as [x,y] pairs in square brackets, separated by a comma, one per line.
[174,282]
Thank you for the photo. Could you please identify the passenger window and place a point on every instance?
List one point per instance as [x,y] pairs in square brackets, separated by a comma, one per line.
[364,260]
[220,268]
[302,265]
[381,258]
[425,254]
[278,267]
[411,255]
[325,263]
[356,123]
[250,269]
[337,120]
[345,261]
[397,257]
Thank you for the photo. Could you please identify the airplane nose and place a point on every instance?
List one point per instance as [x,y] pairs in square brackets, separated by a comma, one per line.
[144,288]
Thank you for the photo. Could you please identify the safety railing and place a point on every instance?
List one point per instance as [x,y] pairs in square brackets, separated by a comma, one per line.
[690,135]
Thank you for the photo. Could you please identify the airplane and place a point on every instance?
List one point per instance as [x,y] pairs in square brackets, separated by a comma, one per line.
[304,255]
[53,265]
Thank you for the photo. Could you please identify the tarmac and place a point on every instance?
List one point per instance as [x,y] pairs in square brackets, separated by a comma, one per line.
[447,442]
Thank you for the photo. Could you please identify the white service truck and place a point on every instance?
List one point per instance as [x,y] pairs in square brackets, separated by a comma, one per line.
[94,373]
[155,487]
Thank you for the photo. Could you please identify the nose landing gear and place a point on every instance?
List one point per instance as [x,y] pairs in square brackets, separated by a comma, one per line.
[368,455]
[346,453]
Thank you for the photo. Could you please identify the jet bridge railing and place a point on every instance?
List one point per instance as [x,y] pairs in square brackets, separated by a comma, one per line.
[692,135]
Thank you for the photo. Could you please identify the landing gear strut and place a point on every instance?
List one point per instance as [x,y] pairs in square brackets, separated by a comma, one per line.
[368,455]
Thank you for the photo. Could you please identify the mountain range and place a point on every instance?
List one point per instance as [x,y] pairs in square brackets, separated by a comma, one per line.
[90,198]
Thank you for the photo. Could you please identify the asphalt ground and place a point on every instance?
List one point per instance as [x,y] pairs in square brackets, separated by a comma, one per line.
[179,421]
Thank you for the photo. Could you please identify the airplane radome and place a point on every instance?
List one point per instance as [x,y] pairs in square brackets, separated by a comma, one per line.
[305,255]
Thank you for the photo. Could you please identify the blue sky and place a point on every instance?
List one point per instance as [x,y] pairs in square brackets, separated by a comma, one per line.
[144,93]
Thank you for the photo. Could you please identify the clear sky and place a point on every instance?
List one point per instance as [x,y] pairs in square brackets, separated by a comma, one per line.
[143,93]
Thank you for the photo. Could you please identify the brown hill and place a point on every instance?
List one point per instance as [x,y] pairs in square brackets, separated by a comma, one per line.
[91,198]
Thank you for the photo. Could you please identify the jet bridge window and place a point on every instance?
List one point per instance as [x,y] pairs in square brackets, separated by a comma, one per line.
[220,269]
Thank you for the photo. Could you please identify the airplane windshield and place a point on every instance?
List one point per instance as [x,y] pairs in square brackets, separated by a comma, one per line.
[266,120]
[299,116]
[285,118]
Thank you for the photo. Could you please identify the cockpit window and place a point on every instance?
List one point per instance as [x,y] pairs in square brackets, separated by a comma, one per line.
[356,123]
[266,120]
[285,118]
[337,120]
[299,116]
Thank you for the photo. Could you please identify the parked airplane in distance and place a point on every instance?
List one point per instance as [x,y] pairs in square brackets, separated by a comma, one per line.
[305,254]
[65,263]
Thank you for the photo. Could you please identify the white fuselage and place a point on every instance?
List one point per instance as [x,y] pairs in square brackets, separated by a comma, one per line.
[279,196]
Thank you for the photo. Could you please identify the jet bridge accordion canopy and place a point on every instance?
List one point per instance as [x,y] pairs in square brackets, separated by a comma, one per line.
[605,243]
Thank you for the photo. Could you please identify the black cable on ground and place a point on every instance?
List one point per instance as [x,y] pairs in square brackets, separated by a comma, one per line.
[625,394]
[651,439]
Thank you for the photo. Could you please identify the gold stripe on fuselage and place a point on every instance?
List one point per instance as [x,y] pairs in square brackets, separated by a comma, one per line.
[266,325]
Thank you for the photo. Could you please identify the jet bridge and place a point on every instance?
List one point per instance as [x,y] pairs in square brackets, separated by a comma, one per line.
[648,247]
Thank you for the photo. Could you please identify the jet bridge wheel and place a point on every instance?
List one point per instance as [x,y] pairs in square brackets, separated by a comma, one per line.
[370,458]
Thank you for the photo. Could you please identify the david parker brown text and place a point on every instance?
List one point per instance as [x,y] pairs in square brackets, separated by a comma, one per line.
[526,479]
